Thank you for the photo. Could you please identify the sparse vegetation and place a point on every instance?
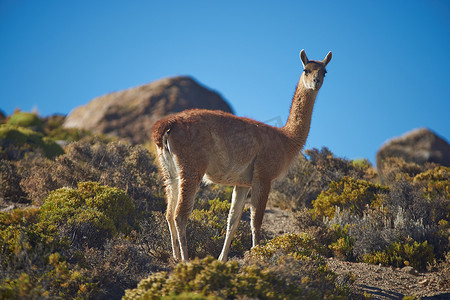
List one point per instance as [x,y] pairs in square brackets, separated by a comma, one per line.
[26,119]
[90,214]
[311,173]
[16,141]
[87,221]
[349,194]
[211,279]
[400,254]
[207,229]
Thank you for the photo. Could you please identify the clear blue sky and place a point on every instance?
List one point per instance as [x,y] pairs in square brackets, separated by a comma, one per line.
[389,73]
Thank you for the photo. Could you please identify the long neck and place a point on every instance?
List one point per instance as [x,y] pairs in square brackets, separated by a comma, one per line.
[299,121]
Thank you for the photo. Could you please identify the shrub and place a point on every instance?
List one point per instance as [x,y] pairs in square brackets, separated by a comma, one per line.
[341,243]
[393,169]
[153,236]
[425,197]
[118,266]
[211,278]
[298,187]
[53,128]
[300,246]
[207,229]
[58,279]
[36,177]
[115,164]
[25,119]
[29,266]
[349,194]
[311,173]
[333,168]
[10,190]
[435,184]
[89,214]
[16,141]
[399,254]
[20,238]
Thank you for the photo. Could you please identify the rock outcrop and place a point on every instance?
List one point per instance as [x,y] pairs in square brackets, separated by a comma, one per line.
[131,113]
[419,146]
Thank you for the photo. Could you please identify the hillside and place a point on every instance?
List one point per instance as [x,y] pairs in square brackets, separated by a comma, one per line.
[84,218]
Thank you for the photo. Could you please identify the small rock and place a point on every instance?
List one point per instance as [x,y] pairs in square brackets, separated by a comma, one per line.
[409,270]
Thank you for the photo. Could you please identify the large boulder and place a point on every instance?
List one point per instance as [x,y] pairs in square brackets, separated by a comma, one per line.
[130,114]
[419,146]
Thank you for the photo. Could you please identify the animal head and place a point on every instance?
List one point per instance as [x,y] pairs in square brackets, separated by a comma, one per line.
[313,71]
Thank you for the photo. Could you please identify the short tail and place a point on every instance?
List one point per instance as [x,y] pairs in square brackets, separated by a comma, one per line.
[160,131]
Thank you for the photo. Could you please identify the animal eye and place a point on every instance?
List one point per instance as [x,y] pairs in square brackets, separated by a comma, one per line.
[307,72]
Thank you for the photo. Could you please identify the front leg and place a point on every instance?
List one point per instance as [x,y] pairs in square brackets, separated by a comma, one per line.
[234,216]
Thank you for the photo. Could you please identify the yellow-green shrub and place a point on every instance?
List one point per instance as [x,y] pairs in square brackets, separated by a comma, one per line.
[61,280]
[53,128]
[101,210]
[435,182]
[342,246]
[207,229]
[399,254]
[349,194]
[16,140]
[20,233]
[208,278]
[26,119]
[31,266]
[299,246]
[393,169]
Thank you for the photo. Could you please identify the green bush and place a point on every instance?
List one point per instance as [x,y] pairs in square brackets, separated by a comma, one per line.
[60,280]
[435,183]
[29,267]
[89,214]
[53,128]
[16,141]
[25,119]
[341,243]
[311,173]
[210,279]
[399,254]
[20,234]
[349,194]
[207,229]
[300,246]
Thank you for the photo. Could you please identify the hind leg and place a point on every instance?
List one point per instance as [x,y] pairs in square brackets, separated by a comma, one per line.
[171,183]
[187,190]
[260,194]
[172,200]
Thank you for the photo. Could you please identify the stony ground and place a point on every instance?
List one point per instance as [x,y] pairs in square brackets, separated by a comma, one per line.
[371,281]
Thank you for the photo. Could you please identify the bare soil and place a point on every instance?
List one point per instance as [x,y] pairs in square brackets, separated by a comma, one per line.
[371,281]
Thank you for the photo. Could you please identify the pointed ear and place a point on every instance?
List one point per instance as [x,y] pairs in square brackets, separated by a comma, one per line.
[303,58]
[327,59]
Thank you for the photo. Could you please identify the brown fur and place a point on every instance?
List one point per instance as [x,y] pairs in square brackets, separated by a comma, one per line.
[231,150]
